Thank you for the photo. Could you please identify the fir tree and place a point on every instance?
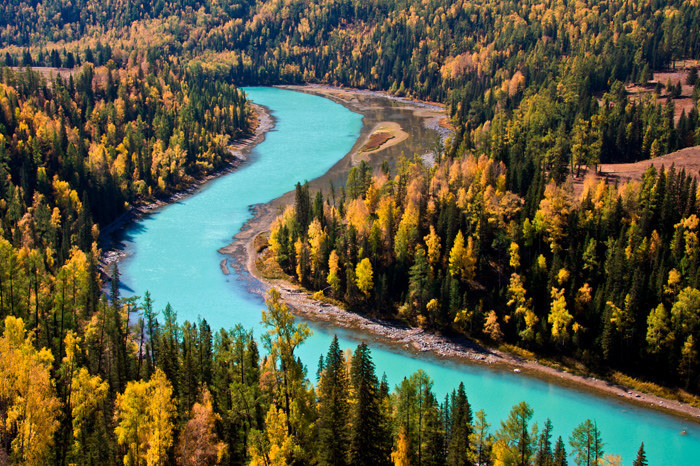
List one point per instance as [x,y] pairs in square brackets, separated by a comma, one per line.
[560,453]
[544,456]
[641,459]
[460,429]
[370,440]
[333,408]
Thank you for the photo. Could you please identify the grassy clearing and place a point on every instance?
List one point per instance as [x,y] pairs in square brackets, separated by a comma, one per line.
[377,140]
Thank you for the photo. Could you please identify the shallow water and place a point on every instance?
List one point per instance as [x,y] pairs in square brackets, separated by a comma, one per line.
[173,254]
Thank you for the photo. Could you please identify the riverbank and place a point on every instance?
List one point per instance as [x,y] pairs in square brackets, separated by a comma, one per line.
[240,151]
[246,253]
[417,340]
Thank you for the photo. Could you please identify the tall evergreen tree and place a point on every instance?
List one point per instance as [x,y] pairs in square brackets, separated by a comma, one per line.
[333,408]
[560,453]
[544,456]
[641,459]
[460,429]
[370,438]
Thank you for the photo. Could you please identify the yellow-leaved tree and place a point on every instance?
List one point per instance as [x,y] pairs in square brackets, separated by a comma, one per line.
[333,279]
[463,258]
[27,394]
[145,414]
[402,455]
[559,316]
[363,274]
[275,447]
[199,443]
[85,394]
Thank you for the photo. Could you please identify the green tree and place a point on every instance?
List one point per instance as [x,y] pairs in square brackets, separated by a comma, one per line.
[659,335]
[641,459]
[333,408]
[516,435]
[480,440]
[291,391]
[544,455]
[560,453]
[460,429]
[586,444]
[370,438]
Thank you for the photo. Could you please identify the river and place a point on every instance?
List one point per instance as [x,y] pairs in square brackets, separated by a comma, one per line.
[172,252]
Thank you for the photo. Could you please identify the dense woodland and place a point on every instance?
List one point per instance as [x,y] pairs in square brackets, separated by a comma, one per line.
[609,277]
[492,242]
[159,392]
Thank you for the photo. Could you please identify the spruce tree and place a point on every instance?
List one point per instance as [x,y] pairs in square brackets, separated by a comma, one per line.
[370,438]
[544,455]
[641,459]
[333,408]
[560,453]
[460,423]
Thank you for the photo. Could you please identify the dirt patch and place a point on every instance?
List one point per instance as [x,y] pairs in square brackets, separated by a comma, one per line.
[385,134]
[687,159]
[683,103]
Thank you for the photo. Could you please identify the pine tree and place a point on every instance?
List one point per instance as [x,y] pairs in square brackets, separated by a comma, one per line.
[169,348]
[560,453]
[370,440]
[544,455]
[641,459]
[460,429]
[333,407]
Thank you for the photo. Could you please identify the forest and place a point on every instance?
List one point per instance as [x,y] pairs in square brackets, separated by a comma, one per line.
[505,239]
[160,392]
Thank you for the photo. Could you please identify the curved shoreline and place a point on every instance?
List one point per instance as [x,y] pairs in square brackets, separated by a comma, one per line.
[416,340]
[240,152]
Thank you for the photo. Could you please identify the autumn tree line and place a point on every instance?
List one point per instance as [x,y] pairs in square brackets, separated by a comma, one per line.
[75,153]
[135,387]
[609,276]
[483,60]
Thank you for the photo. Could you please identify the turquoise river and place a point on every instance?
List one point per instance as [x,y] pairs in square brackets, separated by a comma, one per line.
[172,253]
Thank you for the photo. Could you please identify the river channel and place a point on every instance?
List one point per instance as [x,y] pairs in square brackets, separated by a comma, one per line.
[172,252]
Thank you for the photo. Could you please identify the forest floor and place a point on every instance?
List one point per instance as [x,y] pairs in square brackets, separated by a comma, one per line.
[250,255]
[239,149]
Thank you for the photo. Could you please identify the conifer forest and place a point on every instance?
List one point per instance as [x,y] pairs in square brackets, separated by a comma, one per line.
[512,238]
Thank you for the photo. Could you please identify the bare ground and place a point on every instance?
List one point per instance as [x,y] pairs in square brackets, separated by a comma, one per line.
[684,103]
[392,128]
[687,159]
